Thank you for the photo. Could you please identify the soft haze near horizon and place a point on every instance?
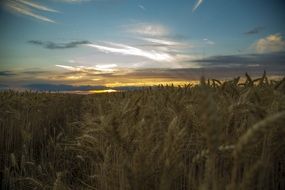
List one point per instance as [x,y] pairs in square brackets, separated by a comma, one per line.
[138,42]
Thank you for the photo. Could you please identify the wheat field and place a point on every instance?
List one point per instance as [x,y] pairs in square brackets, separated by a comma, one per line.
[212,136]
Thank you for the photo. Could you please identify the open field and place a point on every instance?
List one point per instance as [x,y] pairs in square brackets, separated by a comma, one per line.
[211,136]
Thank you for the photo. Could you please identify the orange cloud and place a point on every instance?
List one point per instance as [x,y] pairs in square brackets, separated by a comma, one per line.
[271,43]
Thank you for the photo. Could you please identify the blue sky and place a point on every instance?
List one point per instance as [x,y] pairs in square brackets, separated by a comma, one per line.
[127,42]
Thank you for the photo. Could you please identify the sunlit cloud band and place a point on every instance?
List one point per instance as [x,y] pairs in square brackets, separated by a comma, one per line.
[129,50]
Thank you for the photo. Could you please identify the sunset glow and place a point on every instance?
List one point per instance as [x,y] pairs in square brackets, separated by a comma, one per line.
[110,43]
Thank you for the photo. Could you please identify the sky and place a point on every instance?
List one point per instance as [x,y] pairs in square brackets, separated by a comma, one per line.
[116,43]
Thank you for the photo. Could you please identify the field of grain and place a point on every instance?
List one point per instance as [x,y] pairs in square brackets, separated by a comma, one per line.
[212,136]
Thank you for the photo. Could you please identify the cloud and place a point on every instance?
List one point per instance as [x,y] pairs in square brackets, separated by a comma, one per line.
[209,42]
[133,51]
[106,67]
[25,7]
[6,73]
[148,29]
[220,67]
[53,45]
[274,60]
[162,42]
[142,7]
[197,4]
[155,42]
[271,43]
[158,52]
[35,72]
[213,67]
[37,6]
[255,30]
[193,74]
[82,1]
[97,69]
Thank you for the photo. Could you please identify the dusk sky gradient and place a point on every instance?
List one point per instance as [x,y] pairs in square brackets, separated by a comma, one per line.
[138,42]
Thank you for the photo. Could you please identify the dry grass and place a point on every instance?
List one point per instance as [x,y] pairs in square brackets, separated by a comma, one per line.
[217,135]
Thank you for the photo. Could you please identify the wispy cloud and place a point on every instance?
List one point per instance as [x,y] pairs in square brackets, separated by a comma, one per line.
[97,69]
[81,1]
[197,4]
[271,43]
[25,7]
[142,7]
[129,50]
[156,42]
[255,30]
[37,6]
[148,29]
[53,45]
[161,41]
[106,67]
[209,42]
[158,52]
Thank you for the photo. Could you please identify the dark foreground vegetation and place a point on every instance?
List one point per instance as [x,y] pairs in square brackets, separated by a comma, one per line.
[212,136]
